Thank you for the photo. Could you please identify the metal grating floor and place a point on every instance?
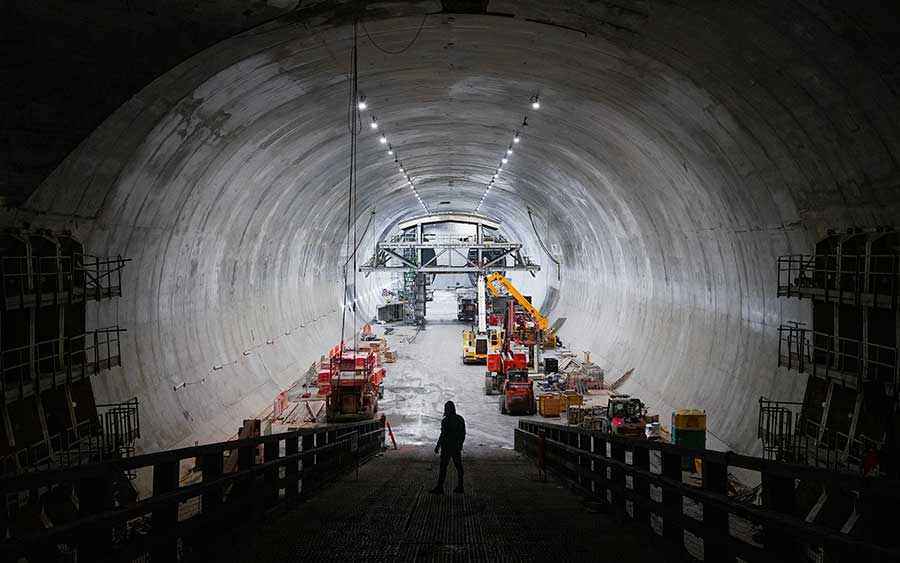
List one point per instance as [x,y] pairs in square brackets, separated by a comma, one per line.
[385,513]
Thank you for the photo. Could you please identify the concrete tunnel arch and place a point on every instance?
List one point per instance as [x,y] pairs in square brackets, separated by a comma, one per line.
[670,163]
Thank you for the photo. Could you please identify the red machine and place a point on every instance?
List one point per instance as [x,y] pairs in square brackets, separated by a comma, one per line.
[354,387]
[507,372]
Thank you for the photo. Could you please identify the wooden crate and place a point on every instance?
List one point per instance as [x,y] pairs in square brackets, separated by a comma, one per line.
[549,405]
[569,399]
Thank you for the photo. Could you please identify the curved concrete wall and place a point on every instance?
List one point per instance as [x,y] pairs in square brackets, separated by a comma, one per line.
[679,149]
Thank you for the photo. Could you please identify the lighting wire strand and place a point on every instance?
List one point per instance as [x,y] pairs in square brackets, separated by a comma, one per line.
[404,49]
[544,246]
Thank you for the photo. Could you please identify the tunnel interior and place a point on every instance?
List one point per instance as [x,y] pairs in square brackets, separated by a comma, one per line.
[677,151]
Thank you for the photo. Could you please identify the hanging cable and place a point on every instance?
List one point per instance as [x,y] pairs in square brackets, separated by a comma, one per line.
[544,246]
[363,234]
[403,50]
[353,125]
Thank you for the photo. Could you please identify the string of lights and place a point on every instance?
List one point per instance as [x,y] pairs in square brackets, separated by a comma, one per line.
[535,105]
[376,126]
[249,351]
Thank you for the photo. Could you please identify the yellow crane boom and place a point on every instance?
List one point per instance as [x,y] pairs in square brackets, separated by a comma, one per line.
[497,276]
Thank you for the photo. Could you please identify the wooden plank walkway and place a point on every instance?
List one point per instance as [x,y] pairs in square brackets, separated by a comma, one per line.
[385,513]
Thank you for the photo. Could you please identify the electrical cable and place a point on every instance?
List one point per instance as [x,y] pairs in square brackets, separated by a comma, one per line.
[353,121]
[363,234]
[544,246]
[403,50]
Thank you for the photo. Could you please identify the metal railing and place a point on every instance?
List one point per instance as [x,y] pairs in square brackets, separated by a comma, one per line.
[80,444]
[272,471]
[776,427]
[849,360]
[28,281]
[109,435]
[819,446]
[860,279]
[642,483]
[30,369]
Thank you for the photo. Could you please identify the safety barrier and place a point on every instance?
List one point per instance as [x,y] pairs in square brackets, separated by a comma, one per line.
[643,483]
[36,281]
[872,280]
[30,369]
[274,470]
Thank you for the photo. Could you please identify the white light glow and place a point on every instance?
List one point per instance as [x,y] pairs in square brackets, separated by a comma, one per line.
[374,124]
[505,160]
[382,140]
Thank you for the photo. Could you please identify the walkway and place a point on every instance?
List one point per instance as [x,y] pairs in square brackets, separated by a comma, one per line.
[385,513]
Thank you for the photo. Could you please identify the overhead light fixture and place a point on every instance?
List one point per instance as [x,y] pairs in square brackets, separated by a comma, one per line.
[382,140]
[374,124]
[535,102]
[508,151]
[504,160]
[362,105]
[390,150]
[516,138]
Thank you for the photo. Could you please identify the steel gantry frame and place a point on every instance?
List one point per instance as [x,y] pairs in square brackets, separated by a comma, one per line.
[482,253]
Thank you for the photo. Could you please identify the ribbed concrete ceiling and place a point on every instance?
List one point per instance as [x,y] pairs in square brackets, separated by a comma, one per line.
[678,150]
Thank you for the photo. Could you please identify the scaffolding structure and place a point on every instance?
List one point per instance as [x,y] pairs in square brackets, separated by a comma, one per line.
[48,416]
[417,254]
[850,354]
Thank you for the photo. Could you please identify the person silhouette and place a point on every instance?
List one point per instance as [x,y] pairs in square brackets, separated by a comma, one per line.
[449,444]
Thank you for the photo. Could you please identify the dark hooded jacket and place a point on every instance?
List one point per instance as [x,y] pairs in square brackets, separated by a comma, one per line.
[453,429]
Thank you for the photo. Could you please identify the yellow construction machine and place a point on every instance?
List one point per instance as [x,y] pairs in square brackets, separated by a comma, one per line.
[540,321]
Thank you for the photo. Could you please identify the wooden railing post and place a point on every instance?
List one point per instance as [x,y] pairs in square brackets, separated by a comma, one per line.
[212,466]
[95,494]
[778,494]
[715,520]
[271,453]
[640,459]
[617,480]
[165,519]
[292,470]
[601,488]
[308,462]
[673,506]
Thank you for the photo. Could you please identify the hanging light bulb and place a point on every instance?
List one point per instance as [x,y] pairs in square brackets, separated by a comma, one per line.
[362,105]
[374,124]
[535,102]
[390,151]
[382,140]
[508,151]
[516,138]
[504,160]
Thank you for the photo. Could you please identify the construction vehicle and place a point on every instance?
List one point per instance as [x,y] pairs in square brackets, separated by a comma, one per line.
[517,393]
[476,347]
[626,416]
[478,343]
[354,386]
[540,321]
[507,372]
[526,327]
[466,305]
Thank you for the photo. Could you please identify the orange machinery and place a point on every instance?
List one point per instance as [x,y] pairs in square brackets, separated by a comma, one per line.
[507,371]
[354,386]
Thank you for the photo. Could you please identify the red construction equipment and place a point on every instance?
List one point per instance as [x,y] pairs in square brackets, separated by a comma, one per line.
[507,372]
[354,386]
